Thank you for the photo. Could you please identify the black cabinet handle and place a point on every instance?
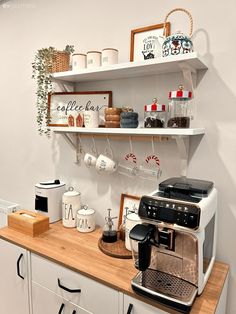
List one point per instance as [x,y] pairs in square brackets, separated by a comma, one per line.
[130,308]
[61,308]
[18,266]
[67,289]
[74,312]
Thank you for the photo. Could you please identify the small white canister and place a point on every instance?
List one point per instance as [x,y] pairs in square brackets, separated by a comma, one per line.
[71,203]
[85,219]
[93,59]
[78,61]
[109,56]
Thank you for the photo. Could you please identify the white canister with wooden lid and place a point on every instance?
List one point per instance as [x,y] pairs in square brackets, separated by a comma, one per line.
[78,61]
[109,56]
[93,59]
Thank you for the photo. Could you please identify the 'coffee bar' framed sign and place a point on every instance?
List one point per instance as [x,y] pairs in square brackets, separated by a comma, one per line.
[65,107]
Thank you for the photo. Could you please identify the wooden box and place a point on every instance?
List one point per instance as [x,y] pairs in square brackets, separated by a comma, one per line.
[28,222]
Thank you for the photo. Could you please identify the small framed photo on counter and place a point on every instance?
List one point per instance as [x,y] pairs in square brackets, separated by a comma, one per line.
[146,42]
[128,204]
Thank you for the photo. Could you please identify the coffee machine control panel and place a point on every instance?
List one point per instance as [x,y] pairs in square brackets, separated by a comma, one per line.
[170,211]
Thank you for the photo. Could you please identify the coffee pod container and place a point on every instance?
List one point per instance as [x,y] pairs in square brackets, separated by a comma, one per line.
[179,108]
[85,219]
[71,203]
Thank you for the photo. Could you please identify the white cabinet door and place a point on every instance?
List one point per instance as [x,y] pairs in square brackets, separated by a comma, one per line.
[45,301]
[134,306]
[13,279]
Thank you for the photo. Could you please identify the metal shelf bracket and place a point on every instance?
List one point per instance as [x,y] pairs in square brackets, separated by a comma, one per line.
[74,142]
[183,147]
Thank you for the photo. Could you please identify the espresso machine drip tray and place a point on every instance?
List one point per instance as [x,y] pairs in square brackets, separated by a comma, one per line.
[166,289]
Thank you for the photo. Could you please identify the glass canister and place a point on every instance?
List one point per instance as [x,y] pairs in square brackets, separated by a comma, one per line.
[179,108]
[154,115]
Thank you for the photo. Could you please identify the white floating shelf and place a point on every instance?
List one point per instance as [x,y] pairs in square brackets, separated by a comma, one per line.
[137,132]
[191,61]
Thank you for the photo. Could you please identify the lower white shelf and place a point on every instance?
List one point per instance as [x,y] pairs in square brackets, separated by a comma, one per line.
[137,132]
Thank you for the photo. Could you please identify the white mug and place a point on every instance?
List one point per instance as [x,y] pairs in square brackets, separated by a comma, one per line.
[90,160]
[131,220]
[91,119]
[105,164]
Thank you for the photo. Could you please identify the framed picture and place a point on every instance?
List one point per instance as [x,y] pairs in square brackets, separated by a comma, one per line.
[146,42]
[128,204]
[65,106]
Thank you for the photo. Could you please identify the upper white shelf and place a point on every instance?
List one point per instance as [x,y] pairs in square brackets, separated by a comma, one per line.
[172,64]
[138,131]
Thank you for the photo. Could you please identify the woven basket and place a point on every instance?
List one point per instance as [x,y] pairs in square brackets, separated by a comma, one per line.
[60,62]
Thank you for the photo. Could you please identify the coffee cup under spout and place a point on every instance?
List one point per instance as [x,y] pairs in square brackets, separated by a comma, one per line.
[143,237]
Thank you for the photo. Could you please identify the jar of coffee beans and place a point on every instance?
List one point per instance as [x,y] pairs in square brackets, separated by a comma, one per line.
[154,115]
[179,108]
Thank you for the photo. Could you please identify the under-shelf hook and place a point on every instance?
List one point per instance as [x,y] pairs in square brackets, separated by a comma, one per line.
[153,147]
[130,144]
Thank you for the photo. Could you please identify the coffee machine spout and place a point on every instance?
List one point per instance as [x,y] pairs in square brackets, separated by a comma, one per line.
[143,237]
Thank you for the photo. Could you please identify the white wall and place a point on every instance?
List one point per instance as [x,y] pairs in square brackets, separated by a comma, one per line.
[27,158]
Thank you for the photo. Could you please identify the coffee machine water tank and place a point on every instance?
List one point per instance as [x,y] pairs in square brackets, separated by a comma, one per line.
[48,199]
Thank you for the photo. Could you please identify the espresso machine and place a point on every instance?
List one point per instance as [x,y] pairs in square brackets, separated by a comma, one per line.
[174,246]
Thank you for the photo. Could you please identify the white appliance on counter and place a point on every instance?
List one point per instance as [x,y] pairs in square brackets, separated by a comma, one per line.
[48,199]
[5,209]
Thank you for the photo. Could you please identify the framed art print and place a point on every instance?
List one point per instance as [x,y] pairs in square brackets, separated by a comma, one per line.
[146,42]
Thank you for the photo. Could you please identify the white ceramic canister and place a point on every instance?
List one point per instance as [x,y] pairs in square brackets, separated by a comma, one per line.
[78,61]
[85,219]
[131,220]
[71,203]
[93,59]
[109,56]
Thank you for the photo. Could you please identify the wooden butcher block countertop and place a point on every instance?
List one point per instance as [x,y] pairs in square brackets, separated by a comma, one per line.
[80,252]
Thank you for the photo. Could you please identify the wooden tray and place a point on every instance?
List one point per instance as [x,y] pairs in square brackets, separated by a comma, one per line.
[116,249]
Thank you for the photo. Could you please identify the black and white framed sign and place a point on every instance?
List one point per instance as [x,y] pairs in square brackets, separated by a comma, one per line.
[65,106]
[146,42]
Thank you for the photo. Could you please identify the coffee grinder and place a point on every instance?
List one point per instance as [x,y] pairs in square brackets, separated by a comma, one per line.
[174,247]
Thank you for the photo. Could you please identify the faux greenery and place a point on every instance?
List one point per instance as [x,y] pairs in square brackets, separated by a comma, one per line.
[41,73]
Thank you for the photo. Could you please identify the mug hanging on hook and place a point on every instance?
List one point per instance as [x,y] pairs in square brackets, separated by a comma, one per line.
[106,163]
[150,169]
[90,159]
[129,166]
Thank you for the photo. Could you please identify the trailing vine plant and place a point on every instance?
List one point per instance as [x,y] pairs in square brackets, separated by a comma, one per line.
[42,66]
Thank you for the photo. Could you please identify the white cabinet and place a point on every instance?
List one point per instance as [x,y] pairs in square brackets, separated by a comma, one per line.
[134,306]
[46,302]
[13,279]
[82,291]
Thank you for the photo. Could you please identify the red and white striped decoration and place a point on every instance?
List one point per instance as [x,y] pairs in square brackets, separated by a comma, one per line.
[180,94]
[131,157]
[154,107]
[153,158]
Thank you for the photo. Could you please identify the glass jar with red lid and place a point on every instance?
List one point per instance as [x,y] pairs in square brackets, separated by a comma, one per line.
[154,115]
[179,108]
